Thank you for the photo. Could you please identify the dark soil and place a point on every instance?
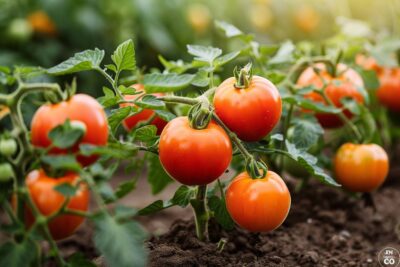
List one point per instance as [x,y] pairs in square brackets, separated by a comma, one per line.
[325,227]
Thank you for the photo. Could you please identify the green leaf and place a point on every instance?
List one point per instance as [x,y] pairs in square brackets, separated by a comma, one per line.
[118,115]
[128,251]
[218,206]
[350,104]
[18,254]
[201,79]
[204,53]
[171,82]
[284,54]
[66,189]
[165,115]
[66,135]
[150,102]
[124,56]
[222,60]
[154,207]
[370,79]
[306,133]
[79,260]
[113,150]
[145,133]
[62,162]
[309,104]
[178,66]
[125,188]
[229,30]
[124,212]
[86,60]
[157,177]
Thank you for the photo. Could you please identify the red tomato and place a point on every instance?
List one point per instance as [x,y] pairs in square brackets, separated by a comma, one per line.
[258,205]
[144,115]
[79,107]
[194,157]
[361,168]
[251,112]
[342,86]
[389,78]
[48,201]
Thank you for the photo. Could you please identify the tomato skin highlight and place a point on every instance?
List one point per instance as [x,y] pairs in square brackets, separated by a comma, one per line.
[361,168]
[252,112]
[130,122]
[349,80]
[79,107]
[194,157]
[258,205]
[48,201]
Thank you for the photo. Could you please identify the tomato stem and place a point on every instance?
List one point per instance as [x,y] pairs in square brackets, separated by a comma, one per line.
[243,76]
[201,215]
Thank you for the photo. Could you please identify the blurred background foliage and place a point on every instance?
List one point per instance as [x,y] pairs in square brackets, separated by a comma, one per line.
[45,32]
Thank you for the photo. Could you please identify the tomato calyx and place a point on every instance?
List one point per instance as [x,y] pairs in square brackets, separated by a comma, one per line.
[200,115]
[257,169]
[243,76]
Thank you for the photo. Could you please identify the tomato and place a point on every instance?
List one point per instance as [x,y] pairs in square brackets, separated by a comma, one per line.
[250,112]
[42,23]
[8,147]
[388,92]
[48,201]
[144,115]
[81,108]
[194,157]
[361,168]
[345,85]
[199,17]
[258,205]
[261,17]
[306,18]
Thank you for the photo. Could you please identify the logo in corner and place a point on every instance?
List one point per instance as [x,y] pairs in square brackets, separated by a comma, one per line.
[389,257]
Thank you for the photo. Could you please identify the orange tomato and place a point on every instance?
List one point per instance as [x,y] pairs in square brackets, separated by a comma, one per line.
[42,23]
[250,112]
[339,87]
[388,92]
[199,17]
[258,205]
[144,115]
[80,107]
[49,201]
[306,18]
[361,168]
[194,157]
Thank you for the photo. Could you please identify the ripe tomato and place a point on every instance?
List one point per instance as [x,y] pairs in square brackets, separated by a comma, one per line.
[42,23]
[344,85]
[79,107]
[258,205]
[306,18]
[144,115]
[194,157]
[48,201]
[361,168]
[388,92]
[251,112]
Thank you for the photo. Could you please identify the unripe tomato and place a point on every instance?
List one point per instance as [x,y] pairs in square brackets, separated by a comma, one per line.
[361,168]
[8,147]
[345,85]
[80,107]
[144,115]
[258,205]
[6,172]
[48,201]
[42,23]
[388,92]
[251,112]
[194,157]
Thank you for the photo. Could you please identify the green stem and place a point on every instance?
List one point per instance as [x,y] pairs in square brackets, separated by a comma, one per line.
[285,131]
[179,99]
[301,65]
[111,81]
[199,205]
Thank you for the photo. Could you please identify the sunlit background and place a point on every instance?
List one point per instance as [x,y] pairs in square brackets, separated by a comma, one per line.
[44,32]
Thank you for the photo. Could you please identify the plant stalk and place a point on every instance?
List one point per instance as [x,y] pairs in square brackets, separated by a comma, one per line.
[201,215]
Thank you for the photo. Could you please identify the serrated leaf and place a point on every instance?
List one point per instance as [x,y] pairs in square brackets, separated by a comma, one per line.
[150,102]
[65,135]
[113,150]
[128,251]
[165,115]
[228,29]
[204,53]
[284,54]
[154,207]
[157,177]
[124,56]
[222,60]
[145,133]
[66,189]
[218,206]
[118,115]
[62,162]
[86,60]
[18,254]
[171,82]
[306,133]
[201,79]
[125,188]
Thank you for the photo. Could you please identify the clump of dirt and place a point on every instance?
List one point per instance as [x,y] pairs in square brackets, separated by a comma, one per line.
[325,227]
